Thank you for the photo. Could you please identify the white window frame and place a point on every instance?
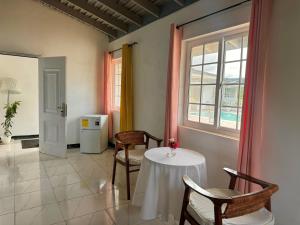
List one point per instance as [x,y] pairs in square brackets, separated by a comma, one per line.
[216,37]
[114,62]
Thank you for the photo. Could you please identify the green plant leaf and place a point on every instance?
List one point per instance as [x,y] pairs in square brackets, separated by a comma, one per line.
[10,112]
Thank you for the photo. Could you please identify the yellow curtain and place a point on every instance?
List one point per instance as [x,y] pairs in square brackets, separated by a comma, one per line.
[126,108]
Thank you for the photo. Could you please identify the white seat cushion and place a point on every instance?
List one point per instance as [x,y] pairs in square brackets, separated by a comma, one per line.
[202,210]
[135,156]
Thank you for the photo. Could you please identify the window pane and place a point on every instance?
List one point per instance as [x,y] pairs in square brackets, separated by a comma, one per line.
[193,113]
[241,96]
[230,95]
[197,55]
[119,91]
[233,49]
[115,91]
[239,118]
[117,80]
[228,117]
[243,72]
[232,72]
[210,74]
[117,101]
[245,47]
[194,94]
[207,114]
[195,76]
[208,94]
[211,52]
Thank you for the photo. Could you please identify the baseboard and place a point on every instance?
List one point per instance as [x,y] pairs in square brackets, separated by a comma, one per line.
[70,146]
[111,145]
[20,137]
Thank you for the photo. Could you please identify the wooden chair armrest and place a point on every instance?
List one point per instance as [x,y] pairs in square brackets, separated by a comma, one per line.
[158,140]
[120,145]
[234,174]
[217,200]
[123,144]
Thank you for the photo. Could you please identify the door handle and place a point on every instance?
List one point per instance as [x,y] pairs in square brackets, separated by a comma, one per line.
[63,109]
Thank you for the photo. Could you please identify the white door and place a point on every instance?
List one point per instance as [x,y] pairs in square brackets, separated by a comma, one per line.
[52,106]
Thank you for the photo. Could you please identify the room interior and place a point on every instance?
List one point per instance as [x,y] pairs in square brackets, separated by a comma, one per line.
[163,112]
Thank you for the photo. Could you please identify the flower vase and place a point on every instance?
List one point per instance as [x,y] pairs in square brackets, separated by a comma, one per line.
[172,153]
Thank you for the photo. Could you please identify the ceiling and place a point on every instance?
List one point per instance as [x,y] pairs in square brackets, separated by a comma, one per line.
[117,18]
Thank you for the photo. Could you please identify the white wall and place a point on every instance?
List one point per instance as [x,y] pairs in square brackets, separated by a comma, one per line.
[281,154]
[282,125]
[29,27]
[150,74]
[25,71]
[219,151]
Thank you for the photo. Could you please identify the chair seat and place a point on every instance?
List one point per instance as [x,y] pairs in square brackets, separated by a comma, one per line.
[202,210]
[135,156]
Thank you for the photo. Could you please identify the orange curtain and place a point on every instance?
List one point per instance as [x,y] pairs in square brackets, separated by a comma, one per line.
[108,92]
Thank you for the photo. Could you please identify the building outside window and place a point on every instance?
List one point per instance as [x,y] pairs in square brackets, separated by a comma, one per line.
[215,77]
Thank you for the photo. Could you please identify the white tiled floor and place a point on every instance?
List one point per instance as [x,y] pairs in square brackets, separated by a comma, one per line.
[37,189]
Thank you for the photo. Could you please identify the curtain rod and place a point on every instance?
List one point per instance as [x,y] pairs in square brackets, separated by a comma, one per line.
[213,13]
[132,44]
[19,54]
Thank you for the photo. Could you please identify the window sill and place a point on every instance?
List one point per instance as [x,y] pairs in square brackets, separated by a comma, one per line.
[218,134]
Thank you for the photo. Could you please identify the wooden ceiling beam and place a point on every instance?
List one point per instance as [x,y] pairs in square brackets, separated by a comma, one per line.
[179,2]
[118,24]
[122,11]
[149,7]
[57,4]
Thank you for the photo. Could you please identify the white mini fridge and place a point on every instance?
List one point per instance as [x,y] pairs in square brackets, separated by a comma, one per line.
[93,133]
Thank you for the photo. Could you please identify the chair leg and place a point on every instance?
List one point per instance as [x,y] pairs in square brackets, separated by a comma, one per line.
[182,219]
[114,171]
[185,203]
[128,182]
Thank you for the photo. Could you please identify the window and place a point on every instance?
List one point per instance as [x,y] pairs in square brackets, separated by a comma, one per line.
[116,74]
[215,81]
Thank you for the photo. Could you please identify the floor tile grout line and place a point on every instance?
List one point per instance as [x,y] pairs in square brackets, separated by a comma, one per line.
[66,221]
[15,215]
[57,202]
[105,210]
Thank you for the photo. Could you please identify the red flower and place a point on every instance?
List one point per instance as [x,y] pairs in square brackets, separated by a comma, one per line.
[173,143]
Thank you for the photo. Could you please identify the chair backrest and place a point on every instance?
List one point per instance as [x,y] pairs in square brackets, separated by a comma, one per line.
[250,202]
[132,137]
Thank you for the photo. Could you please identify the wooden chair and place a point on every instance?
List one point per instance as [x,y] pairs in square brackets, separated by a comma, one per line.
[227,206]
[126,155]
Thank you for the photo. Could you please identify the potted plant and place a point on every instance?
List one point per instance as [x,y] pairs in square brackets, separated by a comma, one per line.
[10,112]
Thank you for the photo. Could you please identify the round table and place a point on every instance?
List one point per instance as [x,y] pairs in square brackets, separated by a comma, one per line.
[159,189]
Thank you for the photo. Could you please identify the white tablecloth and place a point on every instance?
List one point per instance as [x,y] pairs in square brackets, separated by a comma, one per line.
[159,188]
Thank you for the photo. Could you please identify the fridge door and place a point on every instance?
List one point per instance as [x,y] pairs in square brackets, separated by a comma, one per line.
[90,141]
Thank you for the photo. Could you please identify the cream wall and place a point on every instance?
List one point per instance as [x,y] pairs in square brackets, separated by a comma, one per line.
[150,74]
[25,71]
[29,27]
